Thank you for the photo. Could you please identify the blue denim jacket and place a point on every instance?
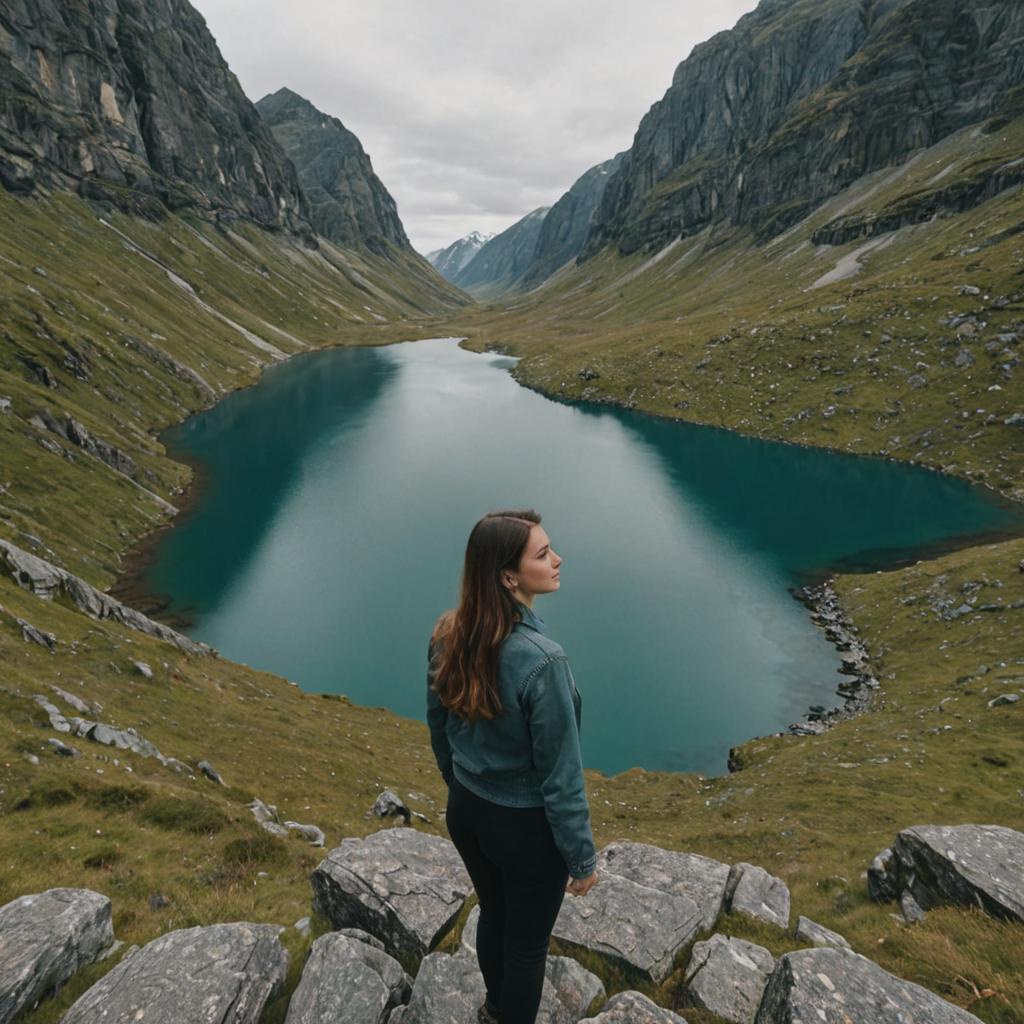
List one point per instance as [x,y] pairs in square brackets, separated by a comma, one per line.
[529,756]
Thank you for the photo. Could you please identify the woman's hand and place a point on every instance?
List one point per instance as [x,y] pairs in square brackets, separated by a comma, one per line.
[581,886]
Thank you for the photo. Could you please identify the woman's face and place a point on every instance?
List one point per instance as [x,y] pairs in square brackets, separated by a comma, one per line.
[538,568]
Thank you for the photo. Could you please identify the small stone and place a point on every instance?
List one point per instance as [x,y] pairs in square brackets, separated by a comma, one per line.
[911,910]
[818,935]
[143,669]
[210,772]
[389,805]
[1004,698]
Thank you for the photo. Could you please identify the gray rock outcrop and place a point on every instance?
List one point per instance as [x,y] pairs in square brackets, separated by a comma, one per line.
[450,988]
[755,893]
[629,924]
[99,732]
[764,122]
[217,974]
[727,976]
[133,104]
[44,938]
[346,979]
[48,581]
[833,986]
[565,228]
[633,1008]
[969,865]
[702,879]
[348,203]
[404,886]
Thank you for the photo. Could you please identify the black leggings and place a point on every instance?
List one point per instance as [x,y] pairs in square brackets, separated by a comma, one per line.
[520,880]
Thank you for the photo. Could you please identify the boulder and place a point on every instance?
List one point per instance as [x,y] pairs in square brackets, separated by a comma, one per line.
[727,976]
[702,879]
[968,865]
[630,924]
[44,938]
[221,973]
[404,886]
[755,893]
[346,979]
[389,805]
[633,1008]
[818,935]
[451,988]
[836,986]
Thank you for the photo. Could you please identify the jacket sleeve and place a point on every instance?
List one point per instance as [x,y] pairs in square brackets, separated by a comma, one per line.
[437,720]
[554,732]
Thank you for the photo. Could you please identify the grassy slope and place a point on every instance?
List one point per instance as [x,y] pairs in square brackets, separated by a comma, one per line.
[813,809]
[716,330]
[99,295]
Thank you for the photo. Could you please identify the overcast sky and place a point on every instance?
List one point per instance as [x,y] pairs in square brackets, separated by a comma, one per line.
[473,113]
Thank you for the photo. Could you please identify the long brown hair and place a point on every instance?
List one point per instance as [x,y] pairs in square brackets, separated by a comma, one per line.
[466,677]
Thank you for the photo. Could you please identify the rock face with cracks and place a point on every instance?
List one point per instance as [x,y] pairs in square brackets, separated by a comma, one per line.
[702,879]
[630,924]
[217,974]
[347,979]
[727,976]
[970,865]
[404,886]
[833,986]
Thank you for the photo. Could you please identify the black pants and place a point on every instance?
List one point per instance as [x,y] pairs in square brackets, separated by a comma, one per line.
[520,880]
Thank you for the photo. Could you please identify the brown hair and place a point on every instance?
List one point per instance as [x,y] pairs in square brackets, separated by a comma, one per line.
[466,677]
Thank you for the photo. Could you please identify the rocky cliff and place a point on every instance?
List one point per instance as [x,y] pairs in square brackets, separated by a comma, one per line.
[348,203]
[764,122]
[565,228]
[133,103]
[502,262]
[452,258]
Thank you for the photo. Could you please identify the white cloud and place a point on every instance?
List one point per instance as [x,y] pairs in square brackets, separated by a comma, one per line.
[473,113]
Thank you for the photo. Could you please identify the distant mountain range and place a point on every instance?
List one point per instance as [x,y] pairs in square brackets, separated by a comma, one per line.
[533,248]
[450,260]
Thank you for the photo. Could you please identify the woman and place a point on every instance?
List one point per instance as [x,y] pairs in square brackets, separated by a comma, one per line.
[504,717]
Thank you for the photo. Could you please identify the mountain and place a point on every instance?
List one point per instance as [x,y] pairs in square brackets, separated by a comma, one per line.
[450,260]
[157,252]
[507,263]
[565,228]
[347,202]
[764,122]
[134,105]
[503,260]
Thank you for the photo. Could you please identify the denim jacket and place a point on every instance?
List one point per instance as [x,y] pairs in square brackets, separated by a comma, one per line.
[529,756]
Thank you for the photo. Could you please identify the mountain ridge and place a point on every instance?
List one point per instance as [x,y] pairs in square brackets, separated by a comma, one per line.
[348,203]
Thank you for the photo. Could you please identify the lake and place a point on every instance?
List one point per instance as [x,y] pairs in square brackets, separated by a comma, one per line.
[339,493]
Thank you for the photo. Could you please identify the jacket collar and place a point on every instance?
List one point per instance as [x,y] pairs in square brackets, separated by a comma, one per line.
[530,617]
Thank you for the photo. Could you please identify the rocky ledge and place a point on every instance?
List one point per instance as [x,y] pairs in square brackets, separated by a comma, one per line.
[392,897]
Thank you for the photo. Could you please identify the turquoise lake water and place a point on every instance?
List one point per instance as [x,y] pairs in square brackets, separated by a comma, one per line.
[340,490]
